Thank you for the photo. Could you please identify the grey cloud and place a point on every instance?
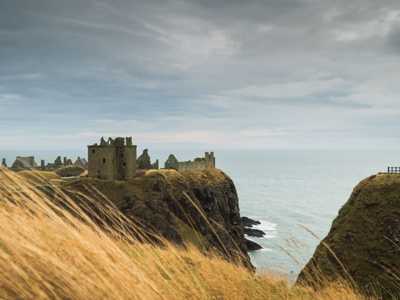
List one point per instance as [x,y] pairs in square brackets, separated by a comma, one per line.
[147,60]
[393,40]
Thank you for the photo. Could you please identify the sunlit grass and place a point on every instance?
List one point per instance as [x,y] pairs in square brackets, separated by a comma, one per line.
[48,252]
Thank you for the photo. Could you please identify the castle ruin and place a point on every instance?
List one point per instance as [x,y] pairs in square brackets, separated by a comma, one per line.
[114,159]
[144,161]
[199,163]
[24,163]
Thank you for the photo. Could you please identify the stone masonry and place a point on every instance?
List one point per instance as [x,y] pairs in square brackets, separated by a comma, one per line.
[199,163]
[114,159]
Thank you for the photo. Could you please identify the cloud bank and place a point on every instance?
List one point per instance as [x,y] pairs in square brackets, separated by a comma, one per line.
[212,74]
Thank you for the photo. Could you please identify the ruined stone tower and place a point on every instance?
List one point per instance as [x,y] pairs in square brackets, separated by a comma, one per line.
[210,159]
[114,159]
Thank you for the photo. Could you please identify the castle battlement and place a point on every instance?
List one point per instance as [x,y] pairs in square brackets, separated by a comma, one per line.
[114,159]
[117,142]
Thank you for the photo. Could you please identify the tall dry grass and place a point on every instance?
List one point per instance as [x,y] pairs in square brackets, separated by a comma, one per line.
[48,252]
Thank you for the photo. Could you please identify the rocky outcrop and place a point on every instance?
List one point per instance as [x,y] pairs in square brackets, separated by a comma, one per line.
[200,207]
[248,222]
[252,246]
[254,232]
[363,245]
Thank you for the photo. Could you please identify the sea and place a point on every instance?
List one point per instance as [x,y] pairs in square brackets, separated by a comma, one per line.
[295,194]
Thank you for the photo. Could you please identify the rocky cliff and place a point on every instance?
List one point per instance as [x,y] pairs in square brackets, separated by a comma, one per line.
[363,245]
[200,207]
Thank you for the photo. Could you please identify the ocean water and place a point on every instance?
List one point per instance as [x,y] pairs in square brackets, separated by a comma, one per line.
[295,194]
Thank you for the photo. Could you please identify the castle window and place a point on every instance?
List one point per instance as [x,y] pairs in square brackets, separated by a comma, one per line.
[93,151]
[104,160]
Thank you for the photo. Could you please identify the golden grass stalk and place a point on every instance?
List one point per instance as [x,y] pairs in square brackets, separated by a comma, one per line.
[53,252]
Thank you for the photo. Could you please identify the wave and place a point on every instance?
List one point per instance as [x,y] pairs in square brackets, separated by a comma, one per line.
[269,228]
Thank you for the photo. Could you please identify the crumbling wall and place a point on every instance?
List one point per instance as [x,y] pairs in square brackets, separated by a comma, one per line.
[199,163]
[172,162]
[112,160]
[101,162]
[144,161]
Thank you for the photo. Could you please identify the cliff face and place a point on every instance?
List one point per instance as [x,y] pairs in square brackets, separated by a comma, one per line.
[201,207]
[363,245]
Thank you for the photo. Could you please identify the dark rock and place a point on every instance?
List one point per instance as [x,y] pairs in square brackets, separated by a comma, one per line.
[200,207]
[363,245]
[254,232]
[252,246]
[248,222]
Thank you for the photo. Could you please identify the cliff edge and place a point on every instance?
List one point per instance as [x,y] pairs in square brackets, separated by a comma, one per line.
[363,245]
[200,207]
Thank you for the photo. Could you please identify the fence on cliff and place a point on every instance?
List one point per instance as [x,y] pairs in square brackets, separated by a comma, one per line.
[393,170]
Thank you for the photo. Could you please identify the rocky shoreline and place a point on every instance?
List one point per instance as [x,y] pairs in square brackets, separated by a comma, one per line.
[248,230]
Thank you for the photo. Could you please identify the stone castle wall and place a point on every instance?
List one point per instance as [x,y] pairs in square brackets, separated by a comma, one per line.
[101,162]
[112,160]
[200,163]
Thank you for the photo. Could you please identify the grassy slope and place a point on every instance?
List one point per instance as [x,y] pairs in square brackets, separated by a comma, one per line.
[364,239]
[45,253]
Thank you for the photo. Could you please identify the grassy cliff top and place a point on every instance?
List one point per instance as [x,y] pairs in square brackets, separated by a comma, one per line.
[48,253]
[364,241]
[379,180]
[211,175]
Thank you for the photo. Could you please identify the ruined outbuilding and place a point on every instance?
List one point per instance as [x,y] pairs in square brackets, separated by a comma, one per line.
[144,161]
[81,162]
[114,159]
[24,163]
[199,163]
[57,164]
[172,162]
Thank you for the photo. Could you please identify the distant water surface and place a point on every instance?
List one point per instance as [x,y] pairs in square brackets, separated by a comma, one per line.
[290,192]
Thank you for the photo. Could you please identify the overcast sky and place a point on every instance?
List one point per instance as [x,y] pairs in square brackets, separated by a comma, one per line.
[211,74]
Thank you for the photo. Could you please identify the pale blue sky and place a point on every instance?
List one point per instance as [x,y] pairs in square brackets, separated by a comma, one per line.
[200,74]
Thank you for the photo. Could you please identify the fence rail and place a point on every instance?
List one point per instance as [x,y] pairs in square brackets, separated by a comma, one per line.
[393,170]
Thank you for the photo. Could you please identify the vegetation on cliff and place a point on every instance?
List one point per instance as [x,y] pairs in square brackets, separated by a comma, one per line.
[201,207]
[363,245]
[50,251]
